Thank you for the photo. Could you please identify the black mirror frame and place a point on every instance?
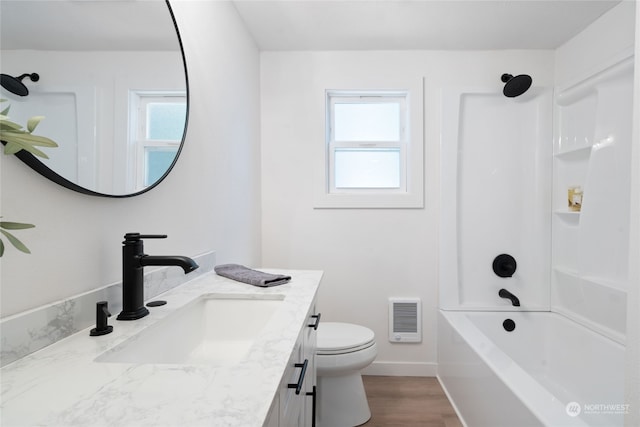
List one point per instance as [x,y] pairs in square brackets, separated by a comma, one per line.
[35,164]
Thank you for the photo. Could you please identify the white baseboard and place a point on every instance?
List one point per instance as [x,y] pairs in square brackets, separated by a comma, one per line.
[402,369]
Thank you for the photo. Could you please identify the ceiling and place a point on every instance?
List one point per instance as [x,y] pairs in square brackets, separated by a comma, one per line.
[86,25]
[306,24]
[417,24]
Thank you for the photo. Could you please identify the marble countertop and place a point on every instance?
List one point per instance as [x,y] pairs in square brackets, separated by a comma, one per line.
[63,385]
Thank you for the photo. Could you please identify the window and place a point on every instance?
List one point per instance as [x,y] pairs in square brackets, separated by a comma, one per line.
[366,142]
[158,121]
[369,151]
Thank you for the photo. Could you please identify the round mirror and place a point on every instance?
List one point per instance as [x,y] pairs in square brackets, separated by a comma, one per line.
[111,84]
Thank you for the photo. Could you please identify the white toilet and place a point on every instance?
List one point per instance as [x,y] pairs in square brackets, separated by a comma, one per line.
[343,350]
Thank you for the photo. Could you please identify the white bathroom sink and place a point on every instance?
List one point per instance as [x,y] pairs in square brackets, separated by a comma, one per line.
[214,330]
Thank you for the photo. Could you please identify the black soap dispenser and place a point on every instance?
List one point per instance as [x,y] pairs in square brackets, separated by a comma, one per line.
[102,314]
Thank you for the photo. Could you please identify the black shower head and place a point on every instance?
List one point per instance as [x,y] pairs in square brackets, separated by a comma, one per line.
[15,85]
[515,86]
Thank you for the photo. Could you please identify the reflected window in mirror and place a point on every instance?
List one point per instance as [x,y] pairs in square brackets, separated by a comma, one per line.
[90,57]
[157,126]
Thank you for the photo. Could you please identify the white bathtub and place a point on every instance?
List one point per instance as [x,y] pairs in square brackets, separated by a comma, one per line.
[549,371]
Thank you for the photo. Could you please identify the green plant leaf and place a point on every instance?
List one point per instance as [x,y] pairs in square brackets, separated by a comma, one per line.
[32,123]
[15,242]
[25,141]
[36,152]
[12,148]
[16,138]
[42,141]
[8,225]
[6,124]
[17,146]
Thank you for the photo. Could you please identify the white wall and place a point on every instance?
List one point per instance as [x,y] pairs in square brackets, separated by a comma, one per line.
[632,364]
[368,255]
[211,200]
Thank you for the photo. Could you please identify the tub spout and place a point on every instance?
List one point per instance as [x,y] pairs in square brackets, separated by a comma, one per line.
[503,293]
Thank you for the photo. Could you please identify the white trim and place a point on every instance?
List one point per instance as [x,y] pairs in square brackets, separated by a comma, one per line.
[402,369]
[142,152]
[411,192]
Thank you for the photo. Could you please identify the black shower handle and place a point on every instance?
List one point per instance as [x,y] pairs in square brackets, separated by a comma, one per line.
[504,265]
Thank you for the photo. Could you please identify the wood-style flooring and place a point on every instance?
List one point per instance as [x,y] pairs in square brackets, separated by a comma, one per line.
[408,402]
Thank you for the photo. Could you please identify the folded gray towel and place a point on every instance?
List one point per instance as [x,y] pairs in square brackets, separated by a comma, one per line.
[243,274]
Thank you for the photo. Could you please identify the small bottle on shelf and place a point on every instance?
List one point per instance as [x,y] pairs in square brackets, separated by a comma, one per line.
[575,198]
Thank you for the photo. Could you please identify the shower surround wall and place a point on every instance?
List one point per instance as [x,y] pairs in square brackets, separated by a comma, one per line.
[498,194]
[592,148]
[587,280]
[496,169]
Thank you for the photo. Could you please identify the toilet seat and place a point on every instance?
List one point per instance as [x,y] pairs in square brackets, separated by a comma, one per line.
[341,338]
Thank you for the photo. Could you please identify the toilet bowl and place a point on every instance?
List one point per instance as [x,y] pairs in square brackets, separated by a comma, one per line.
[343,350]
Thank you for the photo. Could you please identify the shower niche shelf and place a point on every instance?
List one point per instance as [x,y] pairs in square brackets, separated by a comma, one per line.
[570,218]
[574,153]
[567,214]
[571,168]
[612,283]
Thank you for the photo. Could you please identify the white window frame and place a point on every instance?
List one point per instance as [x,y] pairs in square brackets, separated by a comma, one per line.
[333,144]
[410,192]
[137,131]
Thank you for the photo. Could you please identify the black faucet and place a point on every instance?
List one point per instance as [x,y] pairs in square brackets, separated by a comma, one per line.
[503,293]
[133,262]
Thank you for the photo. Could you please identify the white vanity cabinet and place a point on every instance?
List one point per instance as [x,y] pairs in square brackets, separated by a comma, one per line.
[294,405]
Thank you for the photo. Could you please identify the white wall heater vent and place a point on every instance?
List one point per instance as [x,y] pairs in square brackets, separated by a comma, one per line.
[405,320]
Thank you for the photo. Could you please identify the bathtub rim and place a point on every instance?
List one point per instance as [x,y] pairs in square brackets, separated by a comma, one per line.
[546,407]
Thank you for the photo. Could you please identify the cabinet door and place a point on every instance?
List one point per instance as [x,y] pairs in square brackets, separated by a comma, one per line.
[310,345]
[273,419]
[292,403]
[297,398]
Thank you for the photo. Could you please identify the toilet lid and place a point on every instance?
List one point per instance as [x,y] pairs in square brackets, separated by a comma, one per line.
[341,337]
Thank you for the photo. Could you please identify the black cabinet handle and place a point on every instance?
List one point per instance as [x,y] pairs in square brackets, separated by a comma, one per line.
[298,385]
[313,406]
[317,322]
